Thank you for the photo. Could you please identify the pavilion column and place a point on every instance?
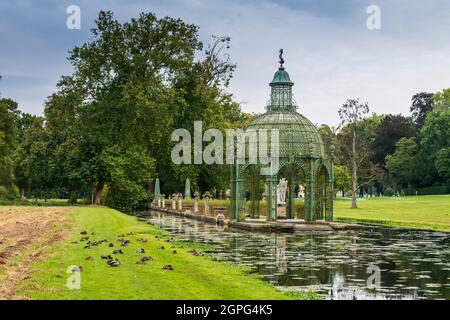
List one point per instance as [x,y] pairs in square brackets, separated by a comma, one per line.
[291,201]
[330,195]
[310,186]
[272,199]
[232,206]
[254,194]
[238,194]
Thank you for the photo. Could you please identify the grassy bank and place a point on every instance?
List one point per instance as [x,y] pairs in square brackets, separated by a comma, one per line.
[422,212]
[193,277]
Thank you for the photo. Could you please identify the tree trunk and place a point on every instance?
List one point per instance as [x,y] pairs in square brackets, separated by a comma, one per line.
[22,193]
[98,192]
[354,170]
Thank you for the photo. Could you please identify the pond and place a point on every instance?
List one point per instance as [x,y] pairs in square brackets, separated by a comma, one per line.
[409,264]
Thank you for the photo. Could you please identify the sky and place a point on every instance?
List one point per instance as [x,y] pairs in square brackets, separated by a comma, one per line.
[330,53]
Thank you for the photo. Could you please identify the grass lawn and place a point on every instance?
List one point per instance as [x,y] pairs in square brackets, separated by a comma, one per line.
[421,212]
[193,277]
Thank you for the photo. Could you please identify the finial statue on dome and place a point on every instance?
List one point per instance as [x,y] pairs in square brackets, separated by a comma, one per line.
[281,59]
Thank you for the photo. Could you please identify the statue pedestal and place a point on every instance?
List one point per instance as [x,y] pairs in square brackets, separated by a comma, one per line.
[281,211]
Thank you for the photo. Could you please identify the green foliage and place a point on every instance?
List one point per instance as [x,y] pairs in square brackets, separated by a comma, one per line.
[342,179]
[400,163]
[387,133]
[435,141]
[130,174]
[389,192]
[422,103]
[443,163]
[328,136]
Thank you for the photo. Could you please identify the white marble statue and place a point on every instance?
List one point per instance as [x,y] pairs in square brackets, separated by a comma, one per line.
[281,191]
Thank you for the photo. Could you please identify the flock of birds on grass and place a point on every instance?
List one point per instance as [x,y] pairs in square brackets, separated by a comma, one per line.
[114,262]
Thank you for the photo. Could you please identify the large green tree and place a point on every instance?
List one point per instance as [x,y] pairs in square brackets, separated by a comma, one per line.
[422,103]
[9,115]
[132,85]
[402,162]
[435,140]
[388,132]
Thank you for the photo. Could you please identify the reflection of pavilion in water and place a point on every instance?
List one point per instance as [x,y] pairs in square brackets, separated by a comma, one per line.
[281,254]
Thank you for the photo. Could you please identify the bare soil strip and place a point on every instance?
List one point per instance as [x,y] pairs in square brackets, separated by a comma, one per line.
[25,232]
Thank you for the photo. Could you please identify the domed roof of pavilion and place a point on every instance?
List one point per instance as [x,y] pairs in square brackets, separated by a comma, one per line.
[298,137]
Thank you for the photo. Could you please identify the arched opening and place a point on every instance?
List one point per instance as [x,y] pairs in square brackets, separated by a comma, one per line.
[296,191]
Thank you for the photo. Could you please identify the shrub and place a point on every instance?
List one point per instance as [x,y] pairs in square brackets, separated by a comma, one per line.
[3,193]
[389,192]
[8,193]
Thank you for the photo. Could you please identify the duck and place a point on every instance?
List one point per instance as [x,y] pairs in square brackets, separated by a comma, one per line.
[113,263]
[118,251]
[168,267]
[89,258]
[111,245]
[147,259]
[84,239]
[83,232]
[140,251]
[108,257]
[174,251]
[124,243]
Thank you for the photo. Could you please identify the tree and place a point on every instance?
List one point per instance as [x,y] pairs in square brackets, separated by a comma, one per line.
[120,94]
[388,132]
[342,179]
[441,100]
[132,85]
[329,137]
[400,164]
[435,139]
[9,114]
[443,163]
[422,103]
[351,113]
[35,160]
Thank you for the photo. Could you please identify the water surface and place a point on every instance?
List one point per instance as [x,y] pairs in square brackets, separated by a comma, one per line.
[412,264]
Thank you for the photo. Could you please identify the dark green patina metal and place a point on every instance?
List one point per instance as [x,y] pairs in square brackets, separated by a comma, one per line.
[302,159]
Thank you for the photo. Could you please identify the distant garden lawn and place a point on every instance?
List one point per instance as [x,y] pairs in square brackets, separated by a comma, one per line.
[422,212]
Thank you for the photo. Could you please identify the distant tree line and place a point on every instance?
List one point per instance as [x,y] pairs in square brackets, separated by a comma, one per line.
[393,154]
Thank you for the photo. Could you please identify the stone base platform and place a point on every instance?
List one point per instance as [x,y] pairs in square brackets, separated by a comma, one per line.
[261,225]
